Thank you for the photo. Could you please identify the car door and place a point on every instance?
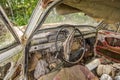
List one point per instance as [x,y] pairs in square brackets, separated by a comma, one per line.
[108,43]
[10,50]
[38,17]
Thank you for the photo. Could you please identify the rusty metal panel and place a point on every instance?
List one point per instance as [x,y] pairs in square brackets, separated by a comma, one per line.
[108,45]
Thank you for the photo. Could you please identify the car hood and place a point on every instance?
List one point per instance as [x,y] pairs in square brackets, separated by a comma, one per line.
[107,10]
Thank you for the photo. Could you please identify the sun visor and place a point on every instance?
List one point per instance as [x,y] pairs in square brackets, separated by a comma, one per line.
[63,9]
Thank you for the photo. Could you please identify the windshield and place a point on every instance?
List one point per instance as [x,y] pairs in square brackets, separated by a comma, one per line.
[73,18]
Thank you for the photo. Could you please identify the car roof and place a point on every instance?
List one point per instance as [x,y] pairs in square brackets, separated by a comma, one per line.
[107,10]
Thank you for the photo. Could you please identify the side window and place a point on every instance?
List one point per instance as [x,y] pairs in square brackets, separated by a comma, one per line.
[112,27]
[6,38]
[119,29]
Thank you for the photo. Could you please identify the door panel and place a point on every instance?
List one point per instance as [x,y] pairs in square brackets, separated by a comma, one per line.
[13,57]
[11,51]
[4,69]
[108,45]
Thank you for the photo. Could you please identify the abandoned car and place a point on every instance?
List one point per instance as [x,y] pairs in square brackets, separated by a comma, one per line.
[47,51]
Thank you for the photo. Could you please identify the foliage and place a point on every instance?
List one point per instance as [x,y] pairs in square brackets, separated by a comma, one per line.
[19,11]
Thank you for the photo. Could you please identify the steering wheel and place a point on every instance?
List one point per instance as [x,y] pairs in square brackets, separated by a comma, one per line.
[70,53]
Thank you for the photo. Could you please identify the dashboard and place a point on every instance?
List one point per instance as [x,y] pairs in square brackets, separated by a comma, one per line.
[45,38]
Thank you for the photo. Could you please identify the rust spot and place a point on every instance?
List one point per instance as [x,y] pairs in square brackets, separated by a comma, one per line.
[23,40]
[45,3]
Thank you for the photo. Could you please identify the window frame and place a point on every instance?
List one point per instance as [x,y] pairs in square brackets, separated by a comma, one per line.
[8,25]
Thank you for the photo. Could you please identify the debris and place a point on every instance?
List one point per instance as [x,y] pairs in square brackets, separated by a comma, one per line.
[52,65]
[105,69]
[105,77]
[111,69]
[93,64]
[41,69]
[116,65]
[77,72]
[117,78]
[49,76]
[34,60]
